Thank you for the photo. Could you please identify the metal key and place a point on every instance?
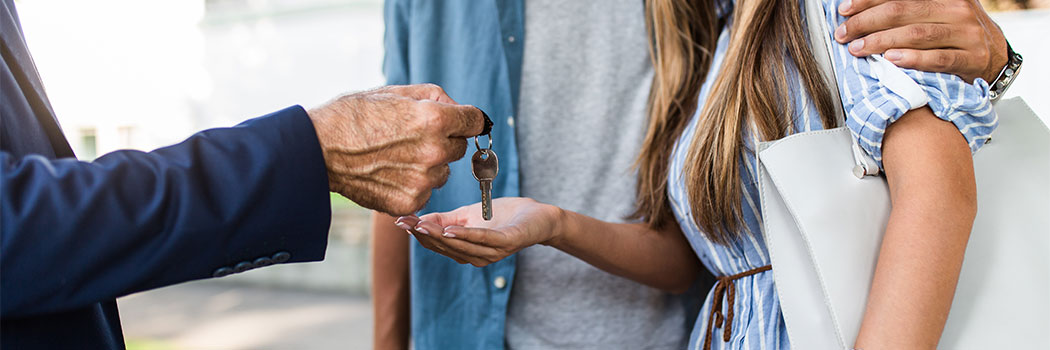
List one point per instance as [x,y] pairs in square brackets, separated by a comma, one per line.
[485,166]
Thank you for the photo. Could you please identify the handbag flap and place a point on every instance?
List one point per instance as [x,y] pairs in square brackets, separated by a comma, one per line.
[807,316]
[841,226]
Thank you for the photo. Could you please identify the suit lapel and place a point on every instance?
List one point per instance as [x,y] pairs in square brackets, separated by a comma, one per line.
[16,55]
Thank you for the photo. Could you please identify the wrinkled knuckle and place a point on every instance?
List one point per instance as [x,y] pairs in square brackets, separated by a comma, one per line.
[435,180]
[457,149]
[423,115]
[442,175]
[436,117]
[417,187]
[918,33]
[434,113]
[432,154]
[422,198]
[402,206]
[932,34]
[896,9]
[433,91]
[942,62]
[944,32]
[957,64]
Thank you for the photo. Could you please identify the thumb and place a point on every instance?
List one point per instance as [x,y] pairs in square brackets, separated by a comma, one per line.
[465,121]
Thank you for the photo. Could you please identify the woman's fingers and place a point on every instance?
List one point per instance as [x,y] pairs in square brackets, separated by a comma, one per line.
[433,236]
[434,243]
[474,245]
[429,227]
[422,233]
[481,236]
[478,255]
[458,217]
[407,222]
[463,252]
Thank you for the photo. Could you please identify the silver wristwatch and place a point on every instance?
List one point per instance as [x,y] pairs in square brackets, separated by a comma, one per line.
[1006,77]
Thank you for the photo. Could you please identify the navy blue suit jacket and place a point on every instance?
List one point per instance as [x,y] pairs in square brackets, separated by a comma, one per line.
[76,235]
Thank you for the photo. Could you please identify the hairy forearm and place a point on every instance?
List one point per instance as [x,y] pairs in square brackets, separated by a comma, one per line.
[929,170]
[660,259]
[390,284]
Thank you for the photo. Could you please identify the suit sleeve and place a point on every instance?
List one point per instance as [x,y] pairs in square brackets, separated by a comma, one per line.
[396,41]
[75,233]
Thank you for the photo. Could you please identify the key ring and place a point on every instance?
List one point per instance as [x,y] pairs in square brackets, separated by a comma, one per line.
[486,130]
[478,145]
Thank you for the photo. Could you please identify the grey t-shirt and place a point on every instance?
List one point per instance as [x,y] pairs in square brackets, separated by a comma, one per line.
[580,124]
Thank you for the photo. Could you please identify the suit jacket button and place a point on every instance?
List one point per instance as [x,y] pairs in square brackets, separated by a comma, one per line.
[263,261]
[243,266]
[281,257]
[222,272]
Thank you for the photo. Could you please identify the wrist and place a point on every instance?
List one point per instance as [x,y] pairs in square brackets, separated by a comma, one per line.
[997,62]
[561,227]
[318,119]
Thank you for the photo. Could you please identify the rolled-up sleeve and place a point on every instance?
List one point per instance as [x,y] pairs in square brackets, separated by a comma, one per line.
[876,93]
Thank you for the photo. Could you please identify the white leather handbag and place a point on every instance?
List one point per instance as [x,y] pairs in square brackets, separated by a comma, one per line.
[824,227]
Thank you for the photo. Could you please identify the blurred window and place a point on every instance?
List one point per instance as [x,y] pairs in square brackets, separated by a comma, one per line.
[88,144]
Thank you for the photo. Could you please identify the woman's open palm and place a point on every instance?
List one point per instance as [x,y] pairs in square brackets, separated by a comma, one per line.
[465,237]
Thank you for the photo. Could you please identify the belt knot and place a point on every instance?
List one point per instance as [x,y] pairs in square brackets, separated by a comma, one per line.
[725,288]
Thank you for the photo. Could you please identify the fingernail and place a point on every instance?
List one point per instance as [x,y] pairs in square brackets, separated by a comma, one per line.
[404,226]
[893,55]
[844,7]
[422,230]
[449,234]
[856,45]
[840,32]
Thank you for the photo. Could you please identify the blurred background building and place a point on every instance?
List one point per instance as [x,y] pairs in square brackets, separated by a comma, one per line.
[133,74]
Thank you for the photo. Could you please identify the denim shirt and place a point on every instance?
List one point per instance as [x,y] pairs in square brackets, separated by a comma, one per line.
[472,49]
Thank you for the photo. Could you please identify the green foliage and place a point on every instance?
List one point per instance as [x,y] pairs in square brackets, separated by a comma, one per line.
[148,344]
[341,203]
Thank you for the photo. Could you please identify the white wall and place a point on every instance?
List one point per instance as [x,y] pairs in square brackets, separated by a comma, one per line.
[1028,32]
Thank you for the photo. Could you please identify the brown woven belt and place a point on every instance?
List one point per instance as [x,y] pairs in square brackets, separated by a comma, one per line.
[725,283]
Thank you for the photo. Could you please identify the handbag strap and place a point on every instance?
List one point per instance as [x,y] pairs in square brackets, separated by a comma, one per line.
[821,46]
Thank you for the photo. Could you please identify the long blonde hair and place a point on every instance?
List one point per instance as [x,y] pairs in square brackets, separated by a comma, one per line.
[751,87]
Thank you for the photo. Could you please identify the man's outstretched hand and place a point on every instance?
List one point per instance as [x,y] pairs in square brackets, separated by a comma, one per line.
[387,148]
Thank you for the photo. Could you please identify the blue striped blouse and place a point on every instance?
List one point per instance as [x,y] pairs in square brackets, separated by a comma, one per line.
[871,105]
